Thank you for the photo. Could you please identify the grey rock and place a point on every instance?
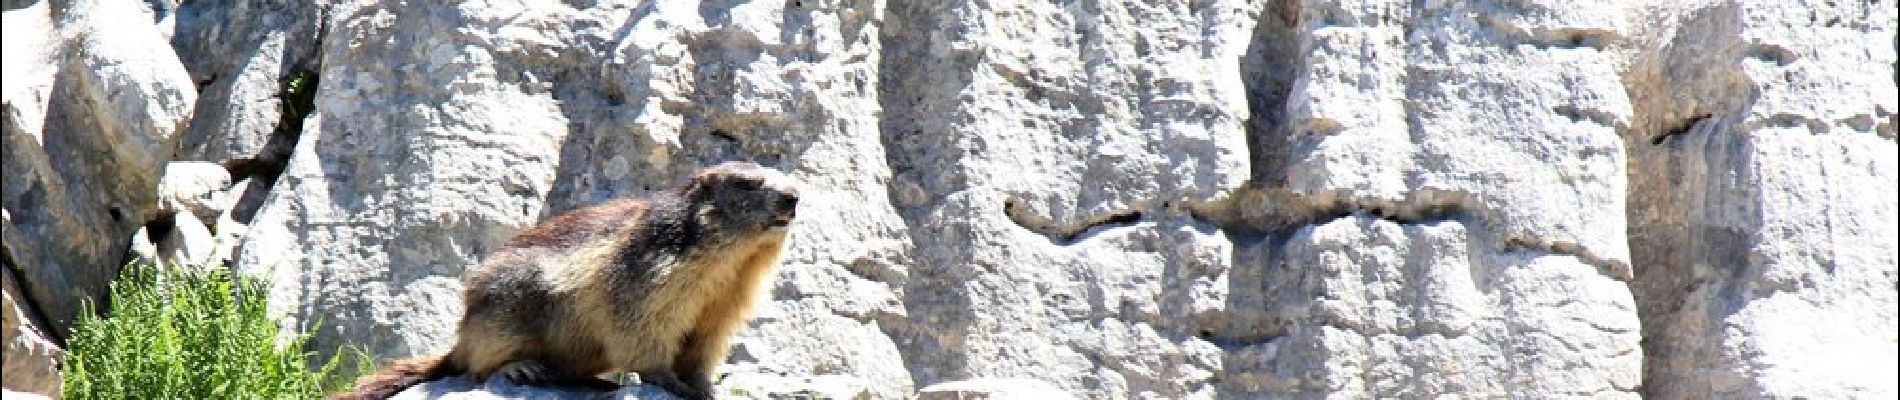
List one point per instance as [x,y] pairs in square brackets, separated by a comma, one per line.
[22,395]
[1123,199]
[189,243]
[1763,202]
[992,388]
[230,227]
[244,56]
[194,187]
[750,383]
[498,387]
[144,249]
[1399,310]
[31,363]
[84,145]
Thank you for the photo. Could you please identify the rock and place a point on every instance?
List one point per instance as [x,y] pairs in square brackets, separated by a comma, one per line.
[498,387]
[1125,199]
[230,229]
[564,142]
[758,387]
[1413,243]
[1215,199]
[164,13]
[32,50]
[144,249]
[1763,201]
[32,359]
[742,382]
[189,243]
[992,388]
[194,187]
[245,56]
[1388,309]
[22,395]
[84,146]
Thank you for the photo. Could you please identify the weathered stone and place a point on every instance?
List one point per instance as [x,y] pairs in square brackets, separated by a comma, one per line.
[31,359]
[992,388]
[498,387]
[1763,203]
[523,135]
[758,385]
[194,187]
[1440,196]
[254,61]
[1382,309]
[143,249]
[83,156]
[9,394]
[229,228]
[189,243]
[1135,199]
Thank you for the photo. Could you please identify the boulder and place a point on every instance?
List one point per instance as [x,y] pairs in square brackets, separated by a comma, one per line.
[992,388]
[253,60]
[31,365]
[194,187]
[1763,201]
[189,243]
[85,141]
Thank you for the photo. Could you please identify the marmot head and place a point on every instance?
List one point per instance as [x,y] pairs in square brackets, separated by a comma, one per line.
[739,196]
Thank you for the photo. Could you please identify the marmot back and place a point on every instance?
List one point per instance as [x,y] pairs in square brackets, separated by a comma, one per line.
[655,286]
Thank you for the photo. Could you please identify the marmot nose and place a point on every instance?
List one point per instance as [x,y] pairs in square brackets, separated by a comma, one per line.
[788,200]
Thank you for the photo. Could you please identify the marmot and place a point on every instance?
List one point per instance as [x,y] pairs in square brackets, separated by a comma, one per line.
[655,286]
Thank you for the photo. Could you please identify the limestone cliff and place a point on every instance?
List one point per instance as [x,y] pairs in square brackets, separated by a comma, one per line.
[1177,199]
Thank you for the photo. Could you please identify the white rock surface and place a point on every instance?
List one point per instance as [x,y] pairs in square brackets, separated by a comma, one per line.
[1401,310]
[194,187]
[1764,204]
[12,395]
[93,107]
[244,56]
[1219,199]
[498,387]
[1209,199]
[992,388]
[189,243]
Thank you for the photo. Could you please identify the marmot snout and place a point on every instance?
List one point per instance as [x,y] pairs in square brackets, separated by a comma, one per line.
[742,196]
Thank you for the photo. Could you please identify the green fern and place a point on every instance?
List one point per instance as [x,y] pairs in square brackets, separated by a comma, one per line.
[192,333]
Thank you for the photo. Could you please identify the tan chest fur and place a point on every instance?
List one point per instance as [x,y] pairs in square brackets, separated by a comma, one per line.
[706,296]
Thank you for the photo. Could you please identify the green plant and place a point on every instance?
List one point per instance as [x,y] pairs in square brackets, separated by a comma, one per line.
[192,333]
[299,96]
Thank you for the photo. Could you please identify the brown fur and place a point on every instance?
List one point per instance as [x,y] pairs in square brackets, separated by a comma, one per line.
[655,286]
[397,376]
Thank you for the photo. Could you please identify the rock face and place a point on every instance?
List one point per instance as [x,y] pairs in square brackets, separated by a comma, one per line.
[194,188]
[497,387]
[31,358]
[94,101]
[246,56]
[1763,204]
[1207,199]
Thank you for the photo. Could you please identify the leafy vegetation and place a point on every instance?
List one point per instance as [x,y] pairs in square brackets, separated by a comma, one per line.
[193,333]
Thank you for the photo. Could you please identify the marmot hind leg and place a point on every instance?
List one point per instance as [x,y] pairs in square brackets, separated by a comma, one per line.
[537,373]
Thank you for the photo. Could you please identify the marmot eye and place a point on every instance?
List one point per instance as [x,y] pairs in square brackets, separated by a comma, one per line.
[748,184]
